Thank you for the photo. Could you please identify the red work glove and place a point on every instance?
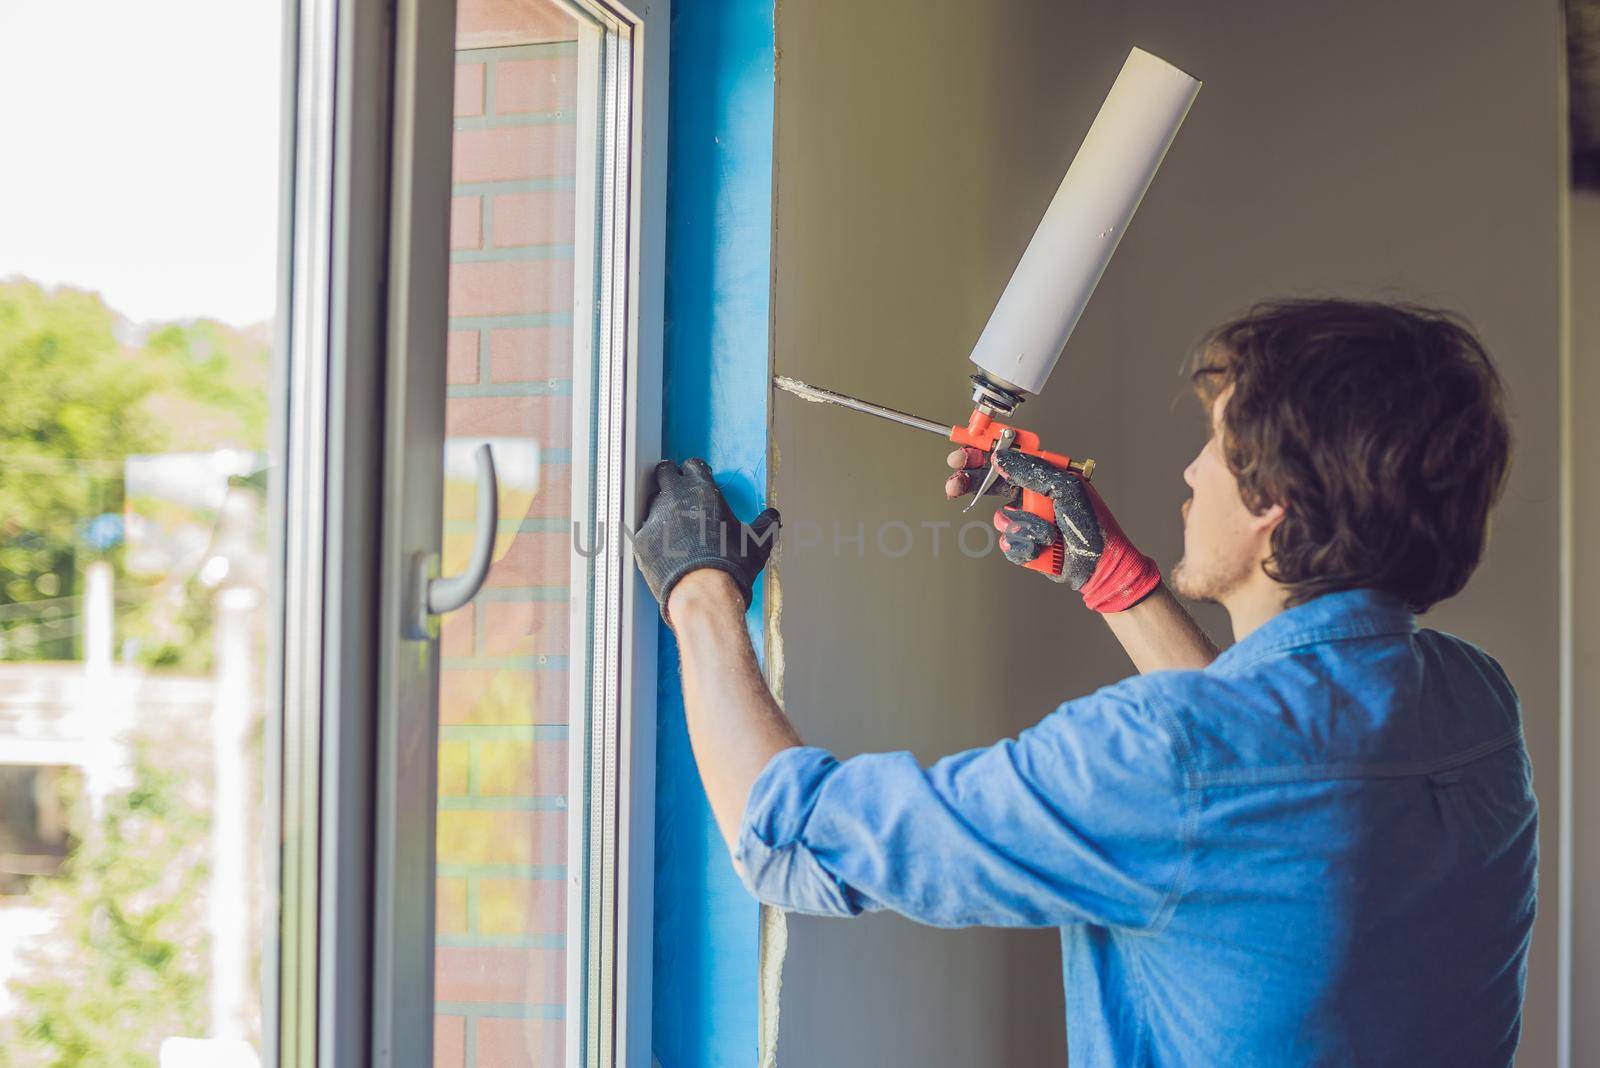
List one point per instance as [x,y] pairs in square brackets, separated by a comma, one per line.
[1098,559]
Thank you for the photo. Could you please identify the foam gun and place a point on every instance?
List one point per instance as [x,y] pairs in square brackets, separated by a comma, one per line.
[1041,304]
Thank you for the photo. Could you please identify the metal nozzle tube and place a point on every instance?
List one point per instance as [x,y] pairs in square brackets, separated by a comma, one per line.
[827,396]
[818,395]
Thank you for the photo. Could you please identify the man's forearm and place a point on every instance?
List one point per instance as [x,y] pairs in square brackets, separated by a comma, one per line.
[735,727]
[1158,634]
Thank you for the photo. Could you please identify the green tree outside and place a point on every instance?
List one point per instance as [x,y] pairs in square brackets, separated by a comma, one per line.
[125,969]
[80,392]
[75,402]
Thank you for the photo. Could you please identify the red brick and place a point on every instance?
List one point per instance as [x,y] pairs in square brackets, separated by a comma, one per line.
[510,287]
[507,153]
[510,1043]
[450,906]
[530,354]
[469,89]
[540,83]
[512,767]
[466,222]
[490,23]
[449,1041]
[516,976]
[456,636]
[474,696]
[546,418]
[516,502]
[478,837]
[461,357]
[536,558]
[550,498]
[516,628]
[554,497]
[522,906]
[541,217]
[455,772]
[461,498]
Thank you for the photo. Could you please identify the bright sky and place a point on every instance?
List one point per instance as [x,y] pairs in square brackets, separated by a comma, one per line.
[139,152]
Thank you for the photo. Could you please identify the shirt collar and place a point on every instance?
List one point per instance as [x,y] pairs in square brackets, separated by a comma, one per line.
[1331,617]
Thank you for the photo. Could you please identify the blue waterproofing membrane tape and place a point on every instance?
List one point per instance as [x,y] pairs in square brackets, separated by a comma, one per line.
[719,242]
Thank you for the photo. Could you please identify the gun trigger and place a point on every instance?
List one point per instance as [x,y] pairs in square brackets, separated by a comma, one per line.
[1007,436]
[988,480]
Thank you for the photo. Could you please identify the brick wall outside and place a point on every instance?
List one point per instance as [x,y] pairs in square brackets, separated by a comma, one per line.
[503,740]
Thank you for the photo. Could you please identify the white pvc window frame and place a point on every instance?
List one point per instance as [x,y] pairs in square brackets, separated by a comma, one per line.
[349,954]
[616,441]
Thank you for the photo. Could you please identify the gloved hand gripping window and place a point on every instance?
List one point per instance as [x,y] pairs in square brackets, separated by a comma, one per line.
[690,526]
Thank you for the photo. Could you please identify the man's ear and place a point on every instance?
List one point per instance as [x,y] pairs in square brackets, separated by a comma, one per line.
[1267,520]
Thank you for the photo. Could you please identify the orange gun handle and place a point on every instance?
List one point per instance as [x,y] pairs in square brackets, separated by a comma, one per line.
[982,432]
[1053,559]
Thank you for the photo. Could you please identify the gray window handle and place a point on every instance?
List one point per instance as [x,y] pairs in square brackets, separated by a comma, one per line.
[448,594]
[439,595]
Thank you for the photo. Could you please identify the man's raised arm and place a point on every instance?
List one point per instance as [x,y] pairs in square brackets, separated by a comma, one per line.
[1114,578]
[1159,634]
[700,562]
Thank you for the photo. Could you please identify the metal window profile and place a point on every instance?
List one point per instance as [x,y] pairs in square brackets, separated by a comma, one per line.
[402,907]
[646,183]
[606,953]
[586,305]
[619,248]
[338,56]
[349,973]
[289,974]
[604,70]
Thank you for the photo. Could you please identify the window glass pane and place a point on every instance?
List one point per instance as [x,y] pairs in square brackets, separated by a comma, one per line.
[507,658]
[139,207]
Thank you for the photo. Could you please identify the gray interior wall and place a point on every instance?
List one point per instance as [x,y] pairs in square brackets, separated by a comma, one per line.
[1584,288]
[1351,148]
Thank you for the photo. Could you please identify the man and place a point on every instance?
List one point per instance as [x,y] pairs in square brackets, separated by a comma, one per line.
[1317,847]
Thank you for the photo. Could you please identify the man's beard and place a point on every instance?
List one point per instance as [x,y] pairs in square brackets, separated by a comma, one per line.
[1191,583]
[1205,581]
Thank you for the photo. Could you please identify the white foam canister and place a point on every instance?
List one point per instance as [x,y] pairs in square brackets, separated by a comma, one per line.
[1087,217]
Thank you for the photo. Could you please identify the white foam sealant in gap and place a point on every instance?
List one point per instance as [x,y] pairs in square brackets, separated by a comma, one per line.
[774,938]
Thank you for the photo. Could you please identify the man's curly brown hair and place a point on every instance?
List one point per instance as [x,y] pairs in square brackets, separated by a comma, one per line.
[1380,428]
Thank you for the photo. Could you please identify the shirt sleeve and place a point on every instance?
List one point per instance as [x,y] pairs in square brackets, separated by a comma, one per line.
[1080,819]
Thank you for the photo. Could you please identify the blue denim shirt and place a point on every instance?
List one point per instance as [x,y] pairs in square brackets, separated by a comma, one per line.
[1318,850]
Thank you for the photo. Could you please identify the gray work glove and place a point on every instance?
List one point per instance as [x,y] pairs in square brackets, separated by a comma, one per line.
[1077,527]
[1098,560]
[690,526]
